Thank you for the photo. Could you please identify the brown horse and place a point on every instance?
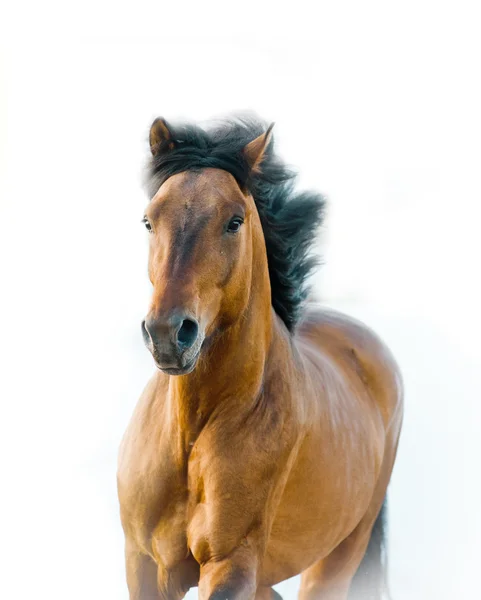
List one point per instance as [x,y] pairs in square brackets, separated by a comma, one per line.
[263,445]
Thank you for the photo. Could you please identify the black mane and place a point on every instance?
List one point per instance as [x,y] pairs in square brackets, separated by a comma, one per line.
[289,219]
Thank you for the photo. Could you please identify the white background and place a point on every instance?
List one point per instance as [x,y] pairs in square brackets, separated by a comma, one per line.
[377,104]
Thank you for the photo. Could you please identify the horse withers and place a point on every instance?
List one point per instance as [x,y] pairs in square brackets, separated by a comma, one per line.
[264,444]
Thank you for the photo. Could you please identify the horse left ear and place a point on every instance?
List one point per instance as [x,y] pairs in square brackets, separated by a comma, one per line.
[255,151]
[160,137]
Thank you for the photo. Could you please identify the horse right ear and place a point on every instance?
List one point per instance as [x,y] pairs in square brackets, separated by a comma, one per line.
[160,137]
[255,151]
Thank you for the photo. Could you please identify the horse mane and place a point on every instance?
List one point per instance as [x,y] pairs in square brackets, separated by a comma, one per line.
[289,219]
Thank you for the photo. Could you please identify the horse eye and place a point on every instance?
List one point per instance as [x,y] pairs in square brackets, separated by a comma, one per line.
[148,226]
[234,225]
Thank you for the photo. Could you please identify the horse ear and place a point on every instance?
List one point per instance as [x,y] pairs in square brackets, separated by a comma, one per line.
[255,151]
[160,137]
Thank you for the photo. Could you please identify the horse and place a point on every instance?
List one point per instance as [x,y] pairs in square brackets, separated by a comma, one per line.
[263,445]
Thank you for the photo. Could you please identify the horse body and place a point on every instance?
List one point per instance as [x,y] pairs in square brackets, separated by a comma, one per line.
[272,456]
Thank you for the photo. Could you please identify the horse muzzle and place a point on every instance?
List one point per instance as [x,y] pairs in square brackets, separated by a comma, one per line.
[174,342]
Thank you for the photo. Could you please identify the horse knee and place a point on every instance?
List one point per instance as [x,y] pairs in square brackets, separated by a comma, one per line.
[228,580]
[232,589]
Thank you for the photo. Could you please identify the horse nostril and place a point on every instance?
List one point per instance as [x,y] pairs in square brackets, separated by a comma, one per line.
[187,333]
[145,333]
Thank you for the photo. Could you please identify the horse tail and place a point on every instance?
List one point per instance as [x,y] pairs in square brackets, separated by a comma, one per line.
[370,580]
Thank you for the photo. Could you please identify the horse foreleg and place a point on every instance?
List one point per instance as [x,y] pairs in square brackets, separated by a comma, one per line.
[141,573]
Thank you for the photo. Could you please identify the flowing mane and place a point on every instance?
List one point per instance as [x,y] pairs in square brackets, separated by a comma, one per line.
[289,219]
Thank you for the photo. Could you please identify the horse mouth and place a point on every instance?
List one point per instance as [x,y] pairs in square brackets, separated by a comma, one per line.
[185,369]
